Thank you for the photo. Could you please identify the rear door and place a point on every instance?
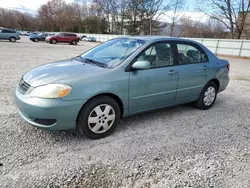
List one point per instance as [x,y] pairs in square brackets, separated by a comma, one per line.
[193,65]
[71,37]
[61,37]
[154,87]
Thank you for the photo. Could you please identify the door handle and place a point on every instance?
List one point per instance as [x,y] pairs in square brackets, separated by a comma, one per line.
[205,67]
[171,72]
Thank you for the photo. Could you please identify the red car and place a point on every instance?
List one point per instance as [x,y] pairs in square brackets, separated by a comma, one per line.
[70,38]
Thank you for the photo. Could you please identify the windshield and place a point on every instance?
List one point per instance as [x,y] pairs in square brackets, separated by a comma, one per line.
[114,51]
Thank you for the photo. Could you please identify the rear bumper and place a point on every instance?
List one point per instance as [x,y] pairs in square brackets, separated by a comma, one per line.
[223,83]
[63,112]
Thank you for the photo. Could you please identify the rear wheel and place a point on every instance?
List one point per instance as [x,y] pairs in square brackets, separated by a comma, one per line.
[74,42]
[12,39]
[53,41]
[99,117]
[36,40]
[207,96]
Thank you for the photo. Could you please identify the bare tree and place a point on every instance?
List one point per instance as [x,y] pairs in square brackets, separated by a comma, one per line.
[209,29]
[178,6]
[231,13]
[155,9]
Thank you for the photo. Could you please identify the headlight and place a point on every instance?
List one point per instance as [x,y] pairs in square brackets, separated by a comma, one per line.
[51,91]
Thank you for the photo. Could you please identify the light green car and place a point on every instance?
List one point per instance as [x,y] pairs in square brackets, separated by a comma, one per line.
[119,78]
[9,34]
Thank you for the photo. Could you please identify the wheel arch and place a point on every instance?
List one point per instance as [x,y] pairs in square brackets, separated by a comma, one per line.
[216,81]
[53,39]
[12,37]
[113,96]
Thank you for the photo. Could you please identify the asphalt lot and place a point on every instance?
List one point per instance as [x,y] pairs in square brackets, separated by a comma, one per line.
[175,147]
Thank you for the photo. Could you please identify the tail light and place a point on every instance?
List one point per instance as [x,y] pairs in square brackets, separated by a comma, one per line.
[228,66]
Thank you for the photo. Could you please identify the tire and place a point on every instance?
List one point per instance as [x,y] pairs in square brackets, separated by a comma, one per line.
[36,40]
[103,123]
[12,39]
[205,102]
[74,42]
[53,41]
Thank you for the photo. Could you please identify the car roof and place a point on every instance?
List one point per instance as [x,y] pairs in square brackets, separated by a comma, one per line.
[66,33]
[158,38]
[7,29]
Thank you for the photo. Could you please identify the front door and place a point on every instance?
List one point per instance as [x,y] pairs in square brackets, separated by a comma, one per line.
[193,68]
[154,87]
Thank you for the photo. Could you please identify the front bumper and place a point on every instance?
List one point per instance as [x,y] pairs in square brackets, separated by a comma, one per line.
[64,112]
[33,39]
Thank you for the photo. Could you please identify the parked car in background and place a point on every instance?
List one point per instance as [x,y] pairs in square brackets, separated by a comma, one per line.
[70,38]
[89,39]
[22,33]
[9,34]
[119,78]
[38,37]
[33,33]
[27,33]
[82,37]
[51,34]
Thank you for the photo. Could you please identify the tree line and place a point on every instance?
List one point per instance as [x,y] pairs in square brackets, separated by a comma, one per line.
[133,17]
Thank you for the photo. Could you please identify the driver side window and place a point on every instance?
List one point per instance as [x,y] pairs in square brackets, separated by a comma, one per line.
[159,55]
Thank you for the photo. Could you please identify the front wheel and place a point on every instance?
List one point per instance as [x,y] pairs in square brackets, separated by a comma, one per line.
[53,41]
[207,96]
[99,117]
[12,39]
[36,40]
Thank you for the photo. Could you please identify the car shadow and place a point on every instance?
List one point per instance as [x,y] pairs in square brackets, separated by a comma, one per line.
[6,41]
[138,119]
[131,122]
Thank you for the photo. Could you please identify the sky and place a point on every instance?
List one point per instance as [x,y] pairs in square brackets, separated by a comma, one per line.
[31,4]
[35,4]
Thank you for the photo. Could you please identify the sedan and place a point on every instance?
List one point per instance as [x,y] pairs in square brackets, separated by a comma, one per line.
[89,39]
[120,78]
[38,37]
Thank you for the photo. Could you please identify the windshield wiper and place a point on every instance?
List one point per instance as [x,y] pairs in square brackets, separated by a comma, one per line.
[91,61]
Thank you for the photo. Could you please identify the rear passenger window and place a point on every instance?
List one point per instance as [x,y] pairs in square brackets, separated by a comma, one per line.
[159,55]
[189,54]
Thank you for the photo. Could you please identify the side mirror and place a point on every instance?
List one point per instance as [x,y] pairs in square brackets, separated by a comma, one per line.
[140,65]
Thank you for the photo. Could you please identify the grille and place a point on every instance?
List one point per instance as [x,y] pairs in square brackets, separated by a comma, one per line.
[23,86]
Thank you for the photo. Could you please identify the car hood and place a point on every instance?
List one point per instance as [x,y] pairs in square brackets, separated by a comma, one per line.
[66,72]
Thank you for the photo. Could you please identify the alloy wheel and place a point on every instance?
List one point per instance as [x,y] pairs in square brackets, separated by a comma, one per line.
[12,39]
[209,96]
[101,118]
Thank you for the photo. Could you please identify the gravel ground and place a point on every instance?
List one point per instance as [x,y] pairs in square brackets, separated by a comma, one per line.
[174,147]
